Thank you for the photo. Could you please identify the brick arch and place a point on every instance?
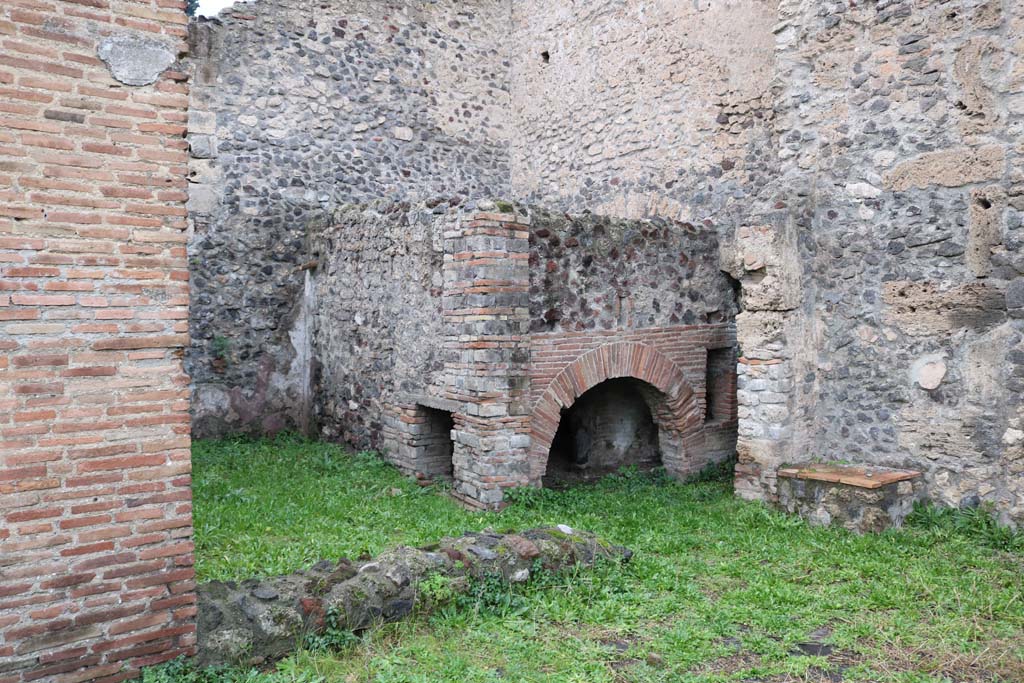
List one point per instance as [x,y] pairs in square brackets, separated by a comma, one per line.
[673,403]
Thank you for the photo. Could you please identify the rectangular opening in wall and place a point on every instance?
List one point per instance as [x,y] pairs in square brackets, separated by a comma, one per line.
[435,443]
[720,385]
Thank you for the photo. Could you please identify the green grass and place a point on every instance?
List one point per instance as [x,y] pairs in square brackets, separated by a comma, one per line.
[719,589]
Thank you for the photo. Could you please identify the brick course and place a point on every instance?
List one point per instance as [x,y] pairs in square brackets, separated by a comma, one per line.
[486,320]
[96,557]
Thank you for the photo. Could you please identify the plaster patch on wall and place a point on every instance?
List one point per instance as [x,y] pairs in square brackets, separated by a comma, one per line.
[948,168]
[134,60]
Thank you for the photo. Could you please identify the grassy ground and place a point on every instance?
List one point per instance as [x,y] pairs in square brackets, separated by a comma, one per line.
[719,589]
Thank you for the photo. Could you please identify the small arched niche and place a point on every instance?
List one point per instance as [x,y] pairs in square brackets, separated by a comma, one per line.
[610,426]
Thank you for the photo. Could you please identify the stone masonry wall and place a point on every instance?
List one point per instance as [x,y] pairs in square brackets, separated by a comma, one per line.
[377,327]
[96,562]
[881,273]
[301,107]
[424,308]
[421,335]
[598,281]
[639,109]
[860,165]
[599,273]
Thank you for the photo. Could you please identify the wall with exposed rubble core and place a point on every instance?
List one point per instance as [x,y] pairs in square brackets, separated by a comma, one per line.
[591,272]
[637,109]
[598,281]
[858,166]
[300,107]
[435,342]
[861,167]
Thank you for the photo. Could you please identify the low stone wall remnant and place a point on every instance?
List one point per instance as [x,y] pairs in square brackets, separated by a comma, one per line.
[257,621]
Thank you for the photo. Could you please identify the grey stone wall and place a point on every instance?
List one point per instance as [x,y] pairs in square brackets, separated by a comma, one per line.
[876,270]
[639,109]
[590,272]
[378,328]
[298,108]
[426,307]
[861,167]
[858,165]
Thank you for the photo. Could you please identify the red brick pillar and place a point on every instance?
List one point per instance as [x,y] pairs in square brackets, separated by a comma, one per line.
[96,571]
[486,315]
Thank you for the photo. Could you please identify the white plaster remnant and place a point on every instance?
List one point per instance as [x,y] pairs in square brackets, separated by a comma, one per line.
[134,60]
[863,190]
[1012,437]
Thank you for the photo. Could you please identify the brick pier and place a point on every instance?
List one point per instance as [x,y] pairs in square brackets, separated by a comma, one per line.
[96,573]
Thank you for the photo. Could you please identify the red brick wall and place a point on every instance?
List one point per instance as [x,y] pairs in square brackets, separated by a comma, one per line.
[96,571]
[684,345]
